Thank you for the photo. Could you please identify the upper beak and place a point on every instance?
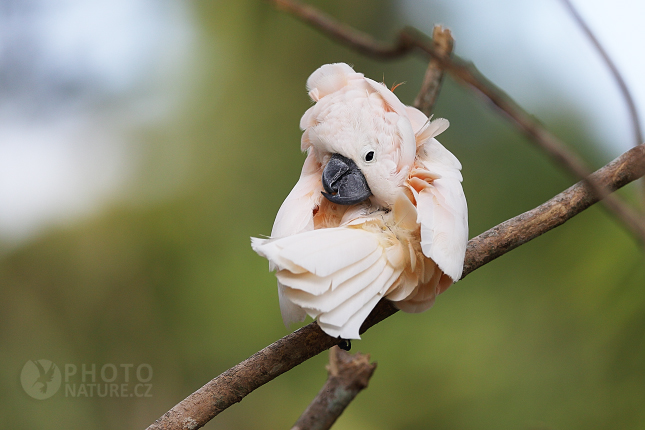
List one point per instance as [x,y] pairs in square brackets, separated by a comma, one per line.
[344,182]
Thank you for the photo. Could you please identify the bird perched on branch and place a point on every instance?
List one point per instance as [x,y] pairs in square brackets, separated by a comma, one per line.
[378,211]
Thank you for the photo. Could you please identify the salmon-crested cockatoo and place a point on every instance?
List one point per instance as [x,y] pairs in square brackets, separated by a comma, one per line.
[378,212]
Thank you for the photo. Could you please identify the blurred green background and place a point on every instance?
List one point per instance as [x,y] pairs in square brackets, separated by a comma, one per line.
[550,336]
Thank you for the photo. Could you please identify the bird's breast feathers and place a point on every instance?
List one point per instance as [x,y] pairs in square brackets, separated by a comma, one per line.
[378,211]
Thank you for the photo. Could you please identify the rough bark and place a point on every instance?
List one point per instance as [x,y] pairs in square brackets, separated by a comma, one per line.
[348,375]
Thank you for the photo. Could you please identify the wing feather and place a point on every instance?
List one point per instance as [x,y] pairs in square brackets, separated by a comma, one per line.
[317,285]
[326,251]
[444,225]
[295,216]
[272,251]
[332,299]
[342,313]
[339,273]
[350,330]
[442,210]
[296,213]
[290,311]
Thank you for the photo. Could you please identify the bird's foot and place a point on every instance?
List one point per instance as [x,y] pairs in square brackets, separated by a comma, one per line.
[345,344]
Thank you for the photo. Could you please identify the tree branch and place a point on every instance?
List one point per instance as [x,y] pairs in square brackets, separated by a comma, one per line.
[443,43]
[412,39]
[516,231]
[348,376]
[234,384]
[622,85]
[357,40]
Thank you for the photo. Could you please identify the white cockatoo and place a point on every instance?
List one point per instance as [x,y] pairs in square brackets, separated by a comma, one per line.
[378,211]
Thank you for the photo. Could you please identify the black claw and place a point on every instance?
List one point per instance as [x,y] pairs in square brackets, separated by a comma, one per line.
[345,344]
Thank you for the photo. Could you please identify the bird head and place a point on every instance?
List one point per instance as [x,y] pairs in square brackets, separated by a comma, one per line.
[360,133]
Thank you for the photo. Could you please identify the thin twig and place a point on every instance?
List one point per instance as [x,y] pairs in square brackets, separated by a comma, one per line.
[622,85]
[343,33]
[348,375]
[234,384]
[631,105]
[412,39]
[443,43]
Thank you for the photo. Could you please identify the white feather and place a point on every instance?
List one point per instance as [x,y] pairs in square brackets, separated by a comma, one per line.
[295,216]
[296,213]
[329,78]
[308,283]
[443,217]
[316,285]
[332,299]
[290,311]
[437,159]
[342,313]
[350,330]
[417,118]
[346,268]
[432,129]
[406,288]
[408,142]
[328,250]
[388,96]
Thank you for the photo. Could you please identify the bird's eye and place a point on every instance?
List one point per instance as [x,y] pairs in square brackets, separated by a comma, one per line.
[369,156]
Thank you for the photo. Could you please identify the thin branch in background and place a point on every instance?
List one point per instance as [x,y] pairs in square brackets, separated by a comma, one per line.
[622,85]
[348,375]
[631,105]
[234,384]
[410,39]
[443,43]
[357,40]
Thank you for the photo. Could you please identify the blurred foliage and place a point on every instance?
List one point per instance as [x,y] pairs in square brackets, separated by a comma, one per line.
[549,336]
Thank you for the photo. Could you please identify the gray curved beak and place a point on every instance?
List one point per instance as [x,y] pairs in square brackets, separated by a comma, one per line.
[344,182]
